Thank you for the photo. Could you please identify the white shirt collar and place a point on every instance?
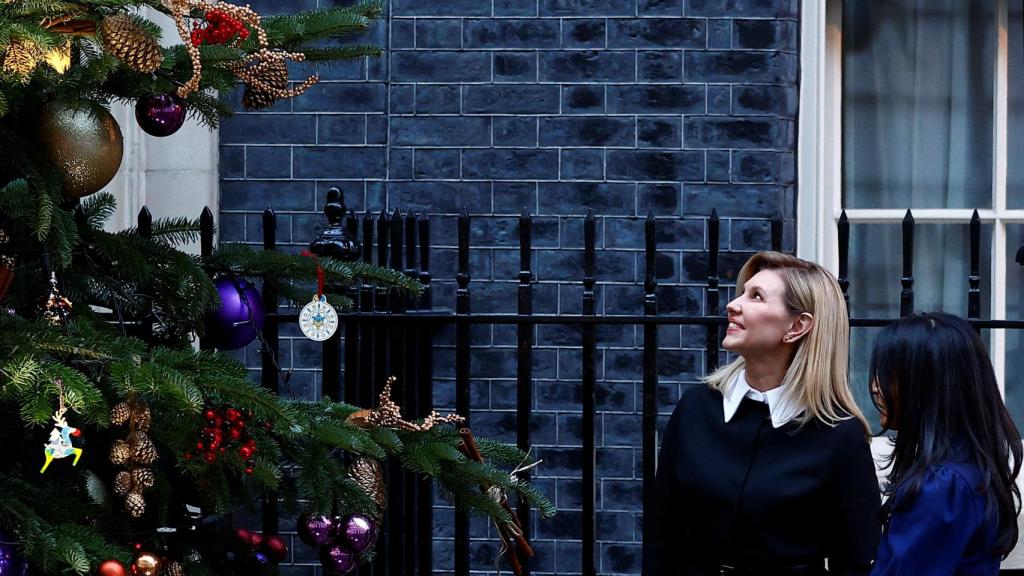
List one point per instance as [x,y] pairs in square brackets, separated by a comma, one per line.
[782,408]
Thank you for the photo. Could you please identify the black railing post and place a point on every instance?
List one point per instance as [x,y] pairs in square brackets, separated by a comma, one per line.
[425,369]
[974,281]
[589,388]
[650,376]
[907,281]
[843,229]
[427,299]
[206,231]
[462,358]
[524,360]
[367,329]
[381,372]
[351,342]
[397,485]
[382,303]
[363,394]
[145,227]
[413,399]
[269,348]
[711,358]
[145,221]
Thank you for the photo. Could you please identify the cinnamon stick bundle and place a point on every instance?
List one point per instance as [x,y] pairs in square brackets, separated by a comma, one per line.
[513,538]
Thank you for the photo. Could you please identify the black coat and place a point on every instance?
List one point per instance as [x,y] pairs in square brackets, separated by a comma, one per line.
[744,493]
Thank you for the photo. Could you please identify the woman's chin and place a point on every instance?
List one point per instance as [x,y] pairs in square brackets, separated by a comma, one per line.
[732,344]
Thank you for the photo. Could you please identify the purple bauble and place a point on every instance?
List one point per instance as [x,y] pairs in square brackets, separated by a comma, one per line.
[160,114]
[236,322]
[336,559]
[12,563]
[315,530]
[356,533]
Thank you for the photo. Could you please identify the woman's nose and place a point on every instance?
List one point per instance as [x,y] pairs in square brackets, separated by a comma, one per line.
[733,307]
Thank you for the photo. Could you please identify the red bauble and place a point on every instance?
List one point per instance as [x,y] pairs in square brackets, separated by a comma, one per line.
[256,540]
[243,536]
[209,414]
[111,568]
[275,548]
[232,415]
[245,452]
[235,434]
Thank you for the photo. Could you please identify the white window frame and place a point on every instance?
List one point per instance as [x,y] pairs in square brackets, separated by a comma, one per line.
[819,159]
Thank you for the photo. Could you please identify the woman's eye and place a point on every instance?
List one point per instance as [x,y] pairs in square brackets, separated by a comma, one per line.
[757,296]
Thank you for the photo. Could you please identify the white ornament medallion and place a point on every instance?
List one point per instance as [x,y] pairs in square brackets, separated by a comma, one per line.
[318,320]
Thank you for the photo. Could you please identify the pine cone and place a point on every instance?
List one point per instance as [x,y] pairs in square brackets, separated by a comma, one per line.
[368,473]
[143,449]
[123,483]
[274,76]
[119,414]
[130,43]
[172,569]
[135,504]
[120,452]
[21,58]
[143,479]
[256,99]
[143,417]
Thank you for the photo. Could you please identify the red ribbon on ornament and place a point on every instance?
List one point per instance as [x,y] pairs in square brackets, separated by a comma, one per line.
[319,273]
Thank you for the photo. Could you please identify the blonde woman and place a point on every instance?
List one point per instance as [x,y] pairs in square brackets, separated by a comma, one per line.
[766,470]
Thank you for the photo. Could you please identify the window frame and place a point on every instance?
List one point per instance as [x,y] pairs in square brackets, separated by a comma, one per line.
[819,159]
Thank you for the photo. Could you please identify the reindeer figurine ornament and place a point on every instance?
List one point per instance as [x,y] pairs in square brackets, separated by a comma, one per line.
[59,445]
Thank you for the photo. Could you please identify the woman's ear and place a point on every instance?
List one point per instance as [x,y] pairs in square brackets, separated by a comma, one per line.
[802,324]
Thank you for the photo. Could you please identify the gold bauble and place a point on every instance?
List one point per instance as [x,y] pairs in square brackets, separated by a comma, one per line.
[146,564]
[85,147]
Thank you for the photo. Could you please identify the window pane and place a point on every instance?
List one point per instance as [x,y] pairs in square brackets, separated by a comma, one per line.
[917,103]
[1014,338]
[861,341]
[1015,108]
[941,269]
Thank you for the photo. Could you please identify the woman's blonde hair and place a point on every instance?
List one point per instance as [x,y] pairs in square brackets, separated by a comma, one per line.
[817,375]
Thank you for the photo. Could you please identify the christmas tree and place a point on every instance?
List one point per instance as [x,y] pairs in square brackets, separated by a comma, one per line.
[97,328]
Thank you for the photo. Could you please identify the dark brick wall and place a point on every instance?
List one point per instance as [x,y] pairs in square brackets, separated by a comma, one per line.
[556,106]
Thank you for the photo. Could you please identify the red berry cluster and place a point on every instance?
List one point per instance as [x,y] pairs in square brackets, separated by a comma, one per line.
[222,28]
[226,430]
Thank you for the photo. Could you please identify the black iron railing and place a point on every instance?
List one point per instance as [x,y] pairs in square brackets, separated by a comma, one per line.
[387,333]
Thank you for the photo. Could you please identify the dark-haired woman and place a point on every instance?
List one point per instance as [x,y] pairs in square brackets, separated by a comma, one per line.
[952,498]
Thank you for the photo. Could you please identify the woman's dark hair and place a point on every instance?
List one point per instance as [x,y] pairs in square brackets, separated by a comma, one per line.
[936,384]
